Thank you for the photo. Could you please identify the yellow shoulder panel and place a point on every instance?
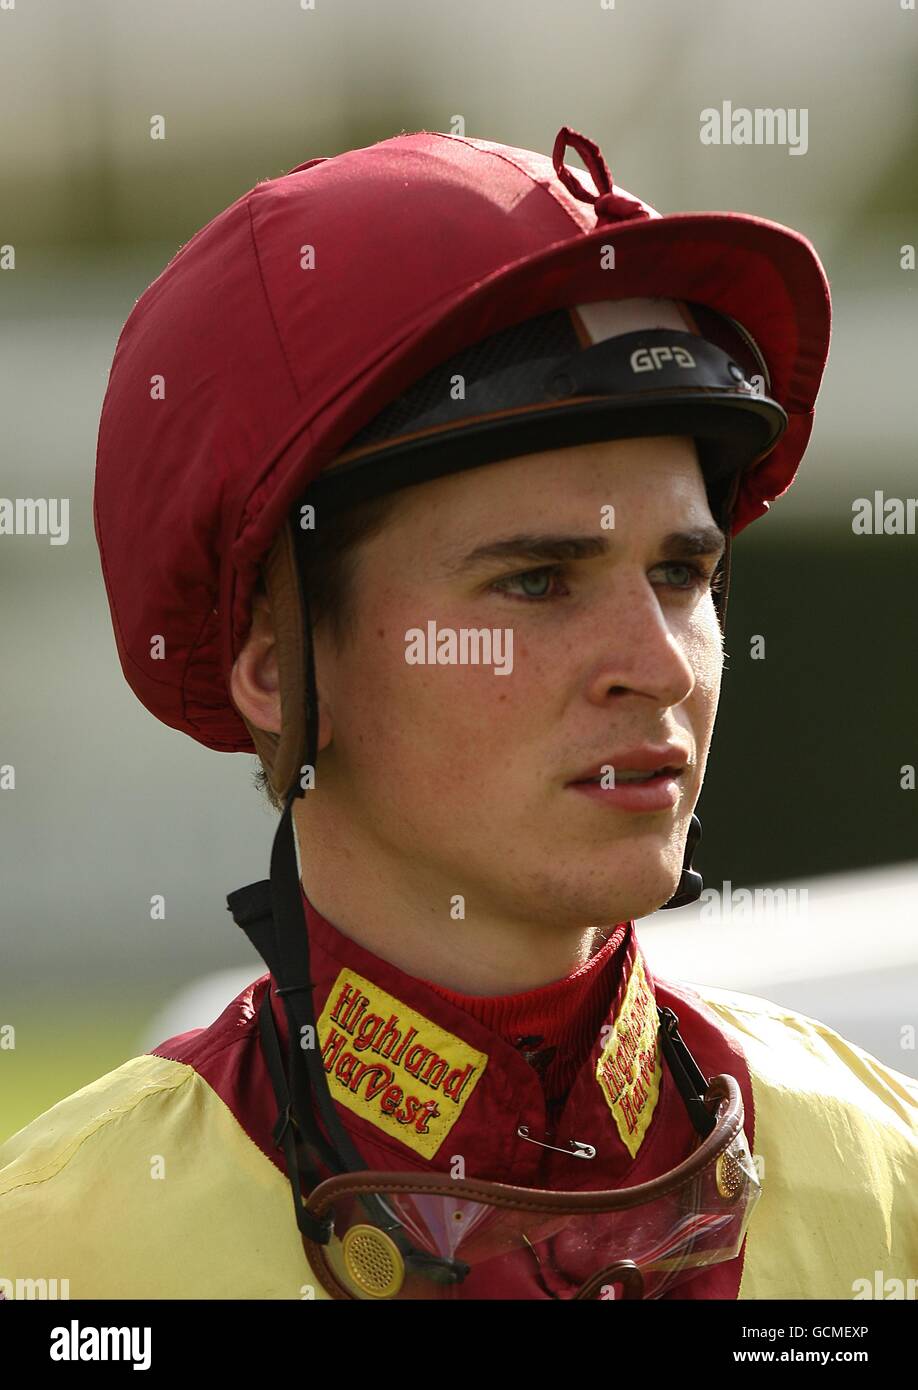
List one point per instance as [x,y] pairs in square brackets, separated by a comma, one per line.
[836,1141]
[143,1185]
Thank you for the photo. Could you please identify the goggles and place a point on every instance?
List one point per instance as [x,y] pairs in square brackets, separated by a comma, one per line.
[410,1236]
[394,1235]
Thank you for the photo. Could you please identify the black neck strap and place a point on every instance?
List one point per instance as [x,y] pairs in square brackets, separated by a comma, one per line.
[270,913]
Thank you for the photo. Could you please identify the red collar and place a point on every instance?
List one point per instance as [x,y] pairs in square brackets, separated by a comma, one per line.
[553,1027]
[419,1080]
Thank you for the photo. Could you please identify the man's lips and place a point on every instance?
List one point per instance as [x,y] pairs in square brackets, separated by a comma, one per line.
[647,759]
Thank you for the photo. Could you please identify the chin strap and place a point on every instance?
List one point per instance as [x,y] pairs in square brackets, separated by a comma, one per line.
[270,913]
[691,882]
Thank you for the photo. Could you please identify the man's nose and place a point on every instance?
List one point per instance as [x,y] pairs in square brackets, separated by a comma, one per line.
[637,650]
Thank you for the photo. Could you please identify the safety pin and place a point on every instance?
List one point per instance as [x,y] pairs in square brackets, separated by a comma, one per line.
[577,1148]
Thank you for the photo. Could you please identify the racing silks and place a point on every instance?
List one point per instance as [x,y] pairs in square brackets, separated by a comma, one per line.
[162,1179]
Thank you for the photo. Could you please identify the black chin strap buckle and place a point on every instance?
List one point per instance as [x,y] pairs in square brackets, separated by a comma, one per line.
[691,882]
[687,1074]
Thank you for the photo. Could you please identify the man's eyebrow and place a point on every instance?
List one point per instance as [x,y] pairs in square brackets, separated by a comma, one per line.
[698,540]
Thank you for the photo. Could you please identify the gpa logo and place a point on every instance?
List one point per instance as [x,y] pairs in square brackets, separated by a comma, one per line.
[652,359]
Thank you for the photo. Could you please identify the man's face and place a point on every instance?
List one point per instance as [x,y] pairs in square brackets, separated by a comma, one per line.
[462,776]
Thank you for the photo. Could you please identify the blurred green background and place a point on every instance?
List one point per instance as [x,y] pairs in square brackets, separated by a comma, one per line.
[111,807]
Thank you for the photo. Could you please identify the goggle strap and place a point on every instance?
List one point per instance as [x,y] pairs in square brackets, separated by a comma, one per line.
[686,1073]
[252,908]
[287,959]
[303,1125]
[285,1129]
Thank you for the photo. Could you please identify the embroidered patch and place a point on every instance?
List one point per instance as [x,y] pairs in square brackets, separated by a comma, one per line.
[629,1068]
[393,1067]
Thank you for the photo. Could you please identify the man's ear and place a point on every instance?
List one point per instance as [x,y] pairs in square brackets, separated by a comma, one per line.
[255,677]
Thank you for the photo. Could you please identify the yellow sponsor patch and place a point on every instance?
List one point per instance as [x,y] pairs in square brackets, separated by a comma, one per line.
[393,1067]
[629,1067]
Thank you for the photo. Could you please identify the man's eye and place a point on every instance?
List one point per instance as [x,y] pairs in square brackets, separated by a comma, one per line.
[534,582]
[698,578]
[545,572]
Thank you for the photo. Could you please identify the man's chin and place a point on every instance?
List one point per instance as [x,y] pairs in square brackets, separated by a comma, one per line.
[644,894]
[590,903]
